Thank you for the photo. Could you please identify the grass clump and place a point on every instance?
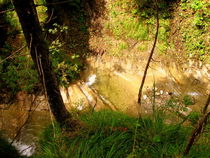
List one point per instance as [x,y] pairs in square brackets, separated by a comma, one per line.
[109,134]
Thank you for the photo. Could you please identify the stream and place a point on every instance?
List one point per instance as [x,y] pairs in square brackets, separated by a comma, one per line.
[28,138]
[116,87]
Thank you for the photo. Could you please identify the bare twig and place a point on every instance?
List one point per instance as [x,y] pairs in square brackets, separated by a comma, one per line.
[206,106]
[28,118]
[150,58]
[50,18]
[200,126]
[41,72]
[38,5]
[13,53]
[93,109]
[55,3]
[155,60]
[30,146]
[8,10]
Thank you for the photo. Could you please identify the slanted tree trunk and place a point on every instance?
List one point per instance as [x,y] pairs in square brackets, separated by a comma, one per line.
[199,127]
[150,56]
[39,51]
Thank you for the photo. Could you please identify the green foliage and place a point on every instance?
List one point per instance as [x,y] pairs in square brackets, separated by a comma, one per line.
[107,119]
[19,74]
[171,103]
[12,18]
[2,2]
[66,67]
[175,105]
[115,135]
[196,5]
[143,47]
[136,20]
[188,100]
[123,46]
[194,117]
[195,30]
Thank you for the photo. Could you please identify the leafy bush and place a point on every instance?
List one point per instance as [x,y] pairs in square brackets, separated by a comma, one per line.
[67,67]
[195,29]
[18,74]
[188,100]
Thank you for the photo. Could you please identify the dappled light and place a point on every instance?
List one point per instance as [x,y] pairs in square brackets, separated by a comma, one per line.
[104,78]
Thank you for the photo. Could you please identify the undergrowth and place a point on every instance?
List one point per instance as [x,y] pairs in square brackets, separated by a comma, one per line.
[195,28]
[17,71]
[136,20]
[109,134]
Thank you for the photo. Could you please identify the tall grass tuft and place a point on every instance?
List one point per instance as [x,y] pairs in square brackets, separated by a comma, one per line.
[109,134]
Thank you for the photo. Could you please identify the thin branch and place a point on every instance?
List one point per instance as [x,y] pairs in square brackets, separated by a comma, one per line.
[28,118]
[206,106]
[155,60]
[38,5]
[13,53]
[41,72]
[200,126]
[8,10]
[150,58]
[30,146]
[55,3]
[50,18]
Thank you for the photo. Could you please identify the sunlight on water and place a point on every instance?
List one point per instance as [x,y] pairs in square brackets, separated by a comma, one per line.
[91,80]
[24,149]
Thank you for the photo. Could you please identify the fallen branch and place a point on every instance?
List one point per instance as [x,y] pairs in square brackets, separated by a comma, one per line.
[150,58]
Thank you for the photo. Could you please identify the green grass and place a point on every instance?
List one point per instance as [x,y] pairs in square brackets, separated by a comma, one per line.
[194,28]
[136,20]
[109,134]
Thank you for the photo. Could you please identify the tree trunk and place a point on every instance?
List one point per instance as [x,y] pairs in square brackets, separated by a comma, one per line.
[39,51]
[150,56]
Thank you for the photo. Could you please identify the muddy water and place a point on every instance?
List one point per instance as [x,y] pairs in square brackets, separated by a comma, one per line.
[119,81]
[13,119]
